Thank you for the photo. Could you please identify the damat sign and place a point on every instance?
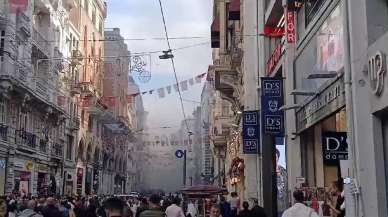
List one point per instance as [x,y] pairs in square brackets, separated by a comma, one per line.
[334,147]
[271,101]
[251,132]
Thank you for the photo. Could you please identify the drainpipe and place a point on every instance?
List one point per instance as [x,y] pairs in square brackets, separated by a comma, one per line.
[352,196]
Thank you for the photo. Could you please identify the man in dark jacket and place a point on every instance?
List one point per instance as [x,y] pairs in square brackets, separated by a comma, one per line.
[155,209]
[257,211]
[225,207]
[51,210]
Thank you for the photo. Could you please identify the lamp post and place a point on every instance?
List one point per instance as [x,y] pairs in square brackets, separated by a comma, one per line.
[182,154]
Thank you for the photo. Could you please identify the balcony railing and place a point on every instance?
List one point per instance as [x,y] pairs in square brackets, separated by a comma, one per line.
[23,23]
[24,138]
[41,87]
[40,41]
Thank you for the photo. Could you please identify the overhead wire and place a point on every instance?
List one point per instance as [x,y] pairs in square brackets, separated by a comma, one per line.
[173,67]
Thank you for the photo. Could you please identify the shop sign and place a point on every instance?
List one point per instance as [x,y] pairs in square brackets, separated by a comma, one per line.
[271,101]
[331,99]
[334,147]
[274,59]
[251,132]
[377,70]
[43,168]
[290,27]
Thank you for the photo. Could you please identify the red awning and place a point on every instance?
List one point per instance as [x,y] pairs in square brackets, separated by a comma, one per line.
[234,10]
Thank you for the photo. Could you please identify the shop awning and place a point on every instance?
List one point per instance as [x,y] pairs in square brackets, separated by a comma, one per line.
[215,33]
[234,10]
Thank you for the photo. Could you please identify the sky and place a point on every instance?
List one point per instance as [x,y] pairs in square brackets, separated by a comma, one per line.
[184,18]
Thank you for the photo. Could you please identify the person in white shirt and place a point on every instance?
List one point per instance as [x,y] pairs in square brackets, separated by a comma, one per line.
[299,209]
[174,210]
[191,210]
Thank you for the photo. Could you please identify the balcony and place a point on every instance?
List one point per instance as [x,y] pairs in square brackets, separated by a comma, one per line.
[23,24]
[56,150]
[43,144]
[25,140]
[41,88]
[3,132]
[74,124]
[41,42]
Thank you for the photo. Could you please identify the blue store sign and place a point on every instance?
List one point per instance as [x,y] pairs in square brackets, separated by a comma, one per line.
[251,132]
[271,100]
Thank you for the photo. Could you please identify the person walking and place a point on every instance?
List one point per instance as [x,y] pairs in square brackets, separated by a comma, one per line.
[114,207]
[234,204]
[245,212]
[30,210]
[142,207]
[257,211]
[154,209]
[191,209]
[174,210]
[225,207]
[215,211]
[51,210]
[299,209]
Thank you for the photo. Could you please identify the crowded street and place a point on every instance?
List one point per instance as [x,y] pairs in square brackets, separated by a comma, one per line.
[193,108]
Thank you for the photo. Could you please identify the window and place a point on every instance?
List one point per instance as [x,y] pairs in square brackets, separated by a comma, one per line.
[69,148]
[2,40]
[311,9]
[90,123]
[3,112]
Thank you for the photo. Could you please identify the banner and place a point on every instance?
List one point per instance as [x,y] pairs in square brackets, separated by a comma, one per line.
[251,132]
[17,6]
[290,27]
[271,101]
[334,147]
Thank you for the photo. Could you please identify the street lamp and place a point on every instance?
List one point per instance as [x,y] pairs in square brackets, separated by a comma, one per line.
[166,55]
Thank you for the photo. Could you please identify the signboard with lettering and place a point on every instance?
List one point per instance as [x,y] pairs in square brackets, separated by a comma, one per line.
[271,101]
[251,132]
[274,59]
[290,27]
[334,147]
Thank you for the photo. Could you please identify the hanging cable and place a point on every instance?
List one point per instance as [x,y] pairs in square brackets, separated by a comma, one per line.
[173,67]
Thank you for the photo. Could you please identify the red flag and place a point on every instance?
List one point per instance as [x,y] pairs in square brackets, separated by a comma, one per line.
[17,6]
[61,100]
[273,32]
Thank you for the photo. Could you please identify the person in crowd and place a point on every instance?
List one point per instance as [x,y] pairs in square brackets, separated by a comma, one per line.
[257,211]
[114,207]
[29,211]
[154,209]
[51,210]
[174,210]
[3,207]
[299,209]
[142,207]
[91,209]
[225,207]
[282,200]
[215,211]
[127,212]
[191,209]
[12,207]
[78,210]
[41,204]
[133,206]
[245,212]
[234,204]
[336,200]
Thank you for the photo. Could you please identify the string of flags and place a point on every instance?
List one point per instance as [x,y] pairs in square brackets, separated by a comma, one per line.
[111,101]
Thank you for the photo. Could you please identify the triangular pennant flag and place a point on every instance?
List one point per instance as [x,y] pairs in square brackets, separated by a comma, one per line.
[161,93]
[202,75]
[191,82]
[168,88]
[176,87]
[144,93]
[151,91]
[183,85]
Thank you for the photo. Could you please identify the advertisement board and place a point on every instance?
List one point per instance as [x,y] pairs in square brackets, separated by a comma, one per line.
[271,101]
[251,132]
